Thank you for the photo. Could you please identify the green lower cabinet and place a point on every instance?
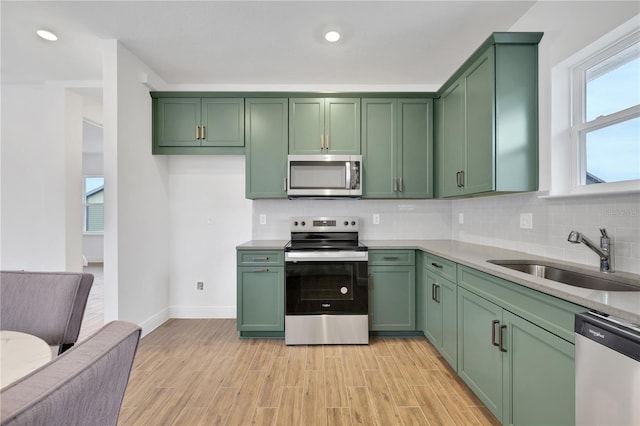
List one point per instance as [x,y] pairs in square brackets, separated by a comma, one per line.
[521,372]
[260,299]
[441,322]
[479,360]
[392,290]
[539,371]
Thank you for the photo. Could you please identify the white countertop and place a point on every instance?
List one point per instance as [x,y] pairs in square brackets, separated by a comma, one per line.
[624,304]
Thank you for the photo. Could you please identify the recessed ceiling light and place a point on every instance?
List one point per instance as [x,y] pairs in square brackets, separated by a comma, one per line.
[332,36]
[47,35]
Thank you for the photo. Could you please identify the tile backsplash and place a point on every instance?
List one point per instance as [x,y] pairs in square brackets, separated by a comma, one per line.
[493,221]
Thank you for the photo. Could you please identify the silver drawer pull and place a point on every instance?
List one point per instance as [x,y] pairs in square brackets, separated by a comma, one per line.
[390,258]
[434,264]
[261,270]
[260,259]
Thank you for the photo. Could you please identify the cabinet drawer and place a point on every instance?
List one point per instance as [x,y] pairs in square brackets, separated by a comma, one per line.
[443,267]
[259,257]
[392,257]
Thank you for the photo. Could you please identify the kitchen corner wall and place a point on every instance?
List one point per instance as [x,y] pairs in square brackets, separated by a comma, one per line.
[399,219]
[495,221]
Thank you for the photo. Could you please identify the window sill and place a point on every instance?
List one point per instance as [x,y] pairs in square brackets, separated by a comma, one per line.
[599,190]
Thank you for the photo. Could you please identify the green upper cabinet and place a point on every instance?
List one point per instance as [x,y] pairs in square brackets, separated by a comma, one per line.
[197,125]
[397,148]
[487,114]
[324,126]
[266,150]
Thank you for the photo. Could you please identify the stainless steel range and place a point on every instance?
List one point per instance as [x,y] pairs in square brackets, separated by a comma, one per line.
[327,286]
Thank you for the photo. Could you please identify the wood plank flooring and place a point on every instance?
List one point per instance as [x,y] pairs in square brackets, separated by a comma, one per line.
[198,372]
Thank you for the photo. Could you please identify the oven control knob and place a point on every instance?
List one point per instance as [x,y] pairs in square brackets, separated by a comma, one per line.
[346,223]
[353,222]
[295,223]
[303,223]
[344,290]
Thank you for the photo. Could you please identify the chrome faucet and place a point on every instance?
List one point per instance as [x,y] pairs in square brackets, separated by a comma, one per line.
[605,251]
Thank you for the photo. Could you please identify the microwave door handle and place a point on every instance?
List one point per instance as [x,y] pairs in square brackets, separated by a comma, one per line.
[348,177]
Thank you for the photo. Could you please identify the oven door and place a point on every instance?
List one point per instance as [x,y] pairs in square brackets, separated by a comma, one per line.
[326,287]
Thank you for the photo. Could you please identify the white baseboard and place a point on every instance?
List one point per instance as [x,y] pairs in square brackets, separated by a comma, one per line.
[202,312]
[154,322]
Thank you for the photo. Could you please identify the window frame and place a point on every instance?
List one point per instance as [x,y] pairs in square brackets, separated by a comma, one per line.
[580,127]
[85,205]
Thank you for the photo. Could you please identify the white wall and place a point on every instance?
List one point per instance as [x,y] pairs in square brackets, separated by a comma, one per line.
[209,218]
[136,197]
[41,178]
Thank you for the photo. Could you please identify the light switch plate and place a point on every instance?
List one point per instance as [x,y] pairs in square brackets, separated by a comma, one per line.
[376,219]
[263,219]
[526,220]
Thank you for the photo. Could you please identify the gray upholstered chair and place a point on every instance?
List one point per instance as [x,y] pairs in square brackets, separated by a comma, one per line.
[49,305]
[84,386]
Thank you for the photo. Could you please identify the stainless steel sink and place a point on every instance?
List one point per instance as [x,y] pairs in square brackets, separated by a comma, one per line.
[556,272]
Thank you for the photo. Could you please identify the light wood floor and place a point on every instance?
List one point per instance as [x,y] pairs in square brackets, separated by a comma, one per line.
[191,372]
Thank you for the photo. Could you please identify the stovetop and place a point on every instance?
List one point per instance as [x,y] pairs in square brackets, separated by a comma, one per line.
[325,233]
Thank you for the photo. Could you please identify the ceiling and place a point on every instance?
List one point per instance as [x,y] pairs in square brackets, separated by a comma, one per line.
[253,43]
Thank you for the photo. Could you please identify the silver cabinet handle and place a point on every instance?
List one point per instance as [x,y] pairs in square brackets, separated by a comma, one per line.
[202,133]
[390,257]
[285,184]
[261,270]
[327,145]
[321,142]
[197,132]
[493,332]
[395,184]
[500,337]
[260,259]
[462,179]
[401,185]
[435,265]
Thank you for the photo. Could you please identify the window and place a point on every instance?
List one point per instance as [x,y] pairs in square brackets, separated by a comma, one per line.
[93,204]
[606,119]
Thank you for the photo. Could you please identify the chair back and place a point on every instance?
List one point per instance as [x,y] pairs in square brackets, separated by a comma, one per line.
[49,305]
[84,386]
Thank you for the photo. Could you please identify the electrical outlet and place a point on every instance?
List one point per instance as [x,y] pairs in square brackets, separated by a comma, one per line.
[263,219]
[200,285]
[526,220]
[376,219]
[460,218]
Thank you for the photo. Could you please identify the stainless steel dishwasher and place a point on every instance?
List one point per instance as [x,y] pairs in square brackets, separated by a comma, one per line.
[607,363]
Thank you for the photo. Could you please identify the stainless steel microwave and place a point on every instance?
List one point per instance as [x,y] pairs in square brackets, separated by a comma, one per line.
[320,176]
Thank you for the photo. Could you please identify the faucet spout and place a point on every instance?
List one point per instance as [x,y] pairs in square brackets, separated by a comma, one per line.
[604,251]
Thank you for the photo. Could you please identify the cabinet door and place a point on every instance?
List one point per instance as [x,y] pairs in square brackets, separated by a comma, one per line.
[539,368]
[451,139]
[392,298]
[177,121]
[415,148]
[480,153]
[266,151]
[379,150]
[260,298]
[306,125]
[433,329]
[223,121]
[448,297]
[342,126]
[479,361]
